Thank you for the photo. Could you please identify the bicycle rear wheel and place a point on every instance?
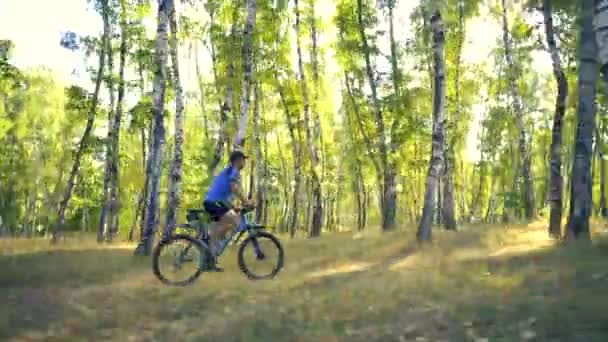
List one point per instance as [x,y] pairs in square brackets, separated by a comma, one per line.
[179,260]
[261,250]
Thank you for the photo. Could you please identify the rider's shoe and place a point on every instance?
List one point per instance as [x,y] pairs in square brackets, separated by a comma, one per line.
[216,268]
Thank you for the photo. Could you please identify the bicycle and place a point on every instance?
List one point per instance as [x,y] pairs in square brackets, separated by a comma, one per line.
[201,243]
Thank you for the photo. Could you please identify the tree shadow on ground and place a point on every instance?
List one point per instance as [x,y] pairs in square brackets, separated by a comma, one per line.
[71,268]
[34,285]
[555,293]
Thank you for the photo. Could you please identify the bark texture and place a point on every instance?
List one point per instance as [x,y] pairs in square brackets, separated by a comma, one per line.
[247,72]
[175,171]
[437,161]
[555,178]
[601,32]
[156,152]
[581,195]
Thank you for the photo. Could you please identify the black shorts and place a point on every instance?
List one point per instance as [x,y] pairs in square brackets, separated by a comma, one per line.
[216,209]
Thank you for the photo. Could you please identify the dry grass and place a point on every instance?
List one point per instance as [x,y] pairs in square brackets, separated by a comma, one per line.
[501,283]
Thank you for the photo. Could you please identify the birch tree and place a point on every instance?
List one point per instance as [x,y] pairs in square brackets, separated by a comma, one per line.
[85,140]
[556,182]
[165,7]
[175,172]
[437,161]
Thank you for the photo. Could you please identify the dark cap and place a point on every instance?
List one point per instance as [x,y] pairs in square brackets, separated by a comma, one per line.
[237,154]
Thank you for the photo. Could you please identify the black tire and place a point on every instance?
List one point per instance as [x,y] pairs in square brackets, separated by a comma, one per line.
[249,240]
[165,243]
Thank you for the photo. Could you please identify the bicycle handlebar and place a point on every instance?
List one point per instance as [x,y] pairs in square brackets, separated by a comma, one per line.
[245,210]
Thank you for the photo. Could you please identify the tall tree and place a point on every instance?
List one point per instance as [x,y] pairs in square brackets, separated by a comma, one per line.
[317,141]
[581,195]
[175,172]
[449,218]
[226,107]
[524,141]
[437,162]
[102,230]
[555,194]
[601,23]
[115,166]
[310,139]
[296,148]
[259,162]
[247,52]
[155,157]
[85,140]
[389,194]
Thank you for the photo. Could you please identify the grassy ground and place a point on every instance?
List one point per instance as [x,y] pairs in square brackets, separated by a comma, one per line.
[480,284]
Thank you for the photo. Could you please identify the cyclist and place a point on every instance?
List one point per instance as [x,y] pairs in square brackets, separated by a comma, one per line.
[218,201]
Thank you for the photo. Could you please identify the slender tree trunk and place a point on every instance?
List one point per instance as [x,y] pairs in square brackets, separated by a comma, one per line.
[581,197]
[175,174]
[439,202]
[201,89]
[358,182]
[258,154]
[437,162]
[115,165]
[603,208]
[285,175]
[389,198]
[368,143]
[358,196]
[241,133]
[601,22]
[226,109]
[155,158]
[251,181]
[317,216]
[264,182]
[102,230]
[310,140]
[524,143]
[555,195]
[308,205]
[339,193]
[449,217]
[145,166]
[297,155]
[84,141]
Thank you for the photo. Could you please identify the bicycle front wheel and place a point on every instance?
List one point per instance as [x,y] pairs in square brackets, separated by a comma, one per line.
[261,256]
[179,260]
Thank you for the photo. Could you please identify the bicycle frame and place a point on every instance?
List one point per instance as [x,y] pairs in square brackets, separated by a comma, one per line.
[242,227]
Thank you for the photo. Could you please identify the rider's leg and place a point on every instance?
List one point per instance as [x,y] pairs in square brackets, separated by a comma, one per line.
[219,228]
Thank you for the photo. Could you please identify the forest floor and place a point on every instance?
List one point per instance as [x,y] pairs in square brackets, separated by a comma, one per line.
[484,283]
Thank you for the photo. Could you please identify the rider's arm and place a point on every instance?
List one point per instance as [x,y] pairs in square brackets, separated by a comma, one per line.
[236,189]
[235,185]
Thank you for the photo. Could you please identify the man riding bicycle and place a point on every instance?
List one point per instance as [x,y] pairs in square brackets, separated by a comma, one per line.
[218,201]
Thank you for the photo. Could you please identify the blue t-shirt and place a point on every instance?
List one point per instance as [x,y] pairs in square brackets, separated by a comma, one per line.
[220,190]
